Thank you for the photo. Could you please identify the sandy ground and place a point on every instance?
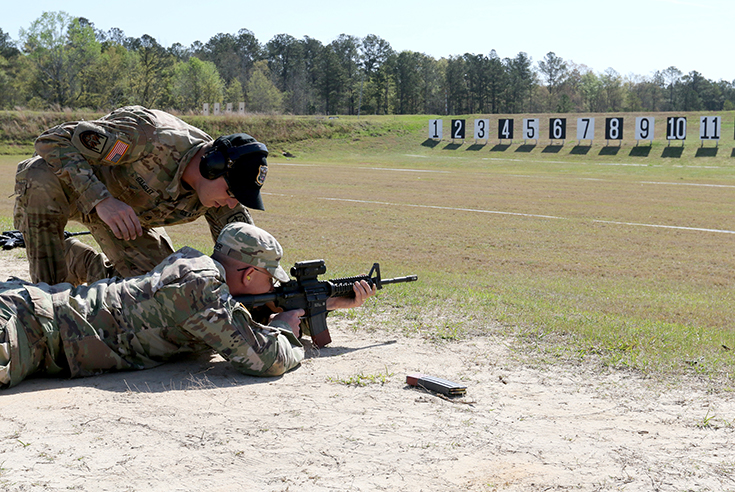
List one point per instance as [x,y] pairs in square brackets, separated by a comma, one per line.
[196,424]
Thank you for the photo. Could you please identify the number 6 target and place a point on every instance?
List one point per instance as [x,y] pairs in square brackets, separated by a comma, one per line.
[557,129]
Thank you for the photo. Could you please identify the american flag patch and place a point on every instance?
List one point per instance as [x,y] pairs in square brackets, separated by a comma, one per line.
[118,150]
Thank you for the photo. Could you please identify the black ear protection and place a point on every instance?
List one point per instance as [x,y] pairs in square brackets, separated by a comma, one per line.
[220,158]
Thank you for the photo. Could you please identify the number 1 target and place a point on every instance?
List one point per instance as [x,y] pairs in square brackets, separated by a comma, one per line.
[435,129]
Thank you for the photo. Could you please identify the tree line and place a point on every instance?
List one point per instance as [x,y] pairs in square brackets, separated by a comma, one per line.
[61,61]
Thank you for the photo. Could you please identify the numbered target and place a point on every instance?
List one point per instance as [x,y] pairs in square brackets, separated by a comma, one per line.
[613,128]
[557,129]
[644,128]
[505,129]
[482,129]
[458,129]
[709,127]
[585,128]
[531,128]
[676,128]
[435,129]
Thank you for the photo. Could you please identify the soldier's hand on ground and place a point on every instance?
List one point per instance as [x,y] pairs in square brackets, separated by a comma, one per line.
[362,291]
[120,217]
[293,318]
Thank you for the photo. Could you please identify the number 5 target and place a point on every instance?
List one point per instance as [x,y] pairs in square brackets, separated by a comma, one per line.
[531,129]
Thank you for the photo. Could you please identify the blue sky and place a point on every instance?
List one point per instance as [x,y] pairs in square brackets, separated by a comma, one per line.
[631,36]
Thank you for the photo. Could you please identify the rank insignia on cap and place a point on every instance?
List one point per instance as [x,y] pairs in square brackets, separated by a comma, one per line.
[262,172]
[118,150]
[93,141]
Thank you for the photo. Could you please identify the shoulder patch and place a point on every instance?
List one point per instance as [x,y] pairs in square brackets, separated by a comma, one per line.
[92,140]
[117,152]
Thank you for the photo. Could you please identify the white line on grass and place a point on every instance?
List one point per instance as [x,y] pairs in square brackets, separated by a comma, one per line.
[518,214]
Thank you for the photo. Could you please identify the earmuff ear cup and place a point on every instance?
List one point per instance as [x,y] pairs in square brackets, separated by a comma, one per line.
[213,164]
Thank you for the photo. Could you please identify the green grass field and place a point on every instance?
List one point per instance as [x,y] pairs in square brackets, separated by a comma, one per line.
[622,253]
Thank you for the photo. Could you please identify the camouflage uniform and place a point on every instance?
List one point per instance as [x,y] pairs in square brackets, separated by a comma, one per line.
[181,306]
[134,154]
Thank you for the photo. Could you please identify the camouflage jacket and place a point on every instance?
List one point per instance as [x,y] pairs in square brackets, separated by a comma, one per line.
[181,306]
[138,156]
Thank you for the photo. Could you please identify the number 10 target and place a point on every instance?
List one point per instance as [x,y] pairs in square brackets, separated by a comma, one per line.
[676,128]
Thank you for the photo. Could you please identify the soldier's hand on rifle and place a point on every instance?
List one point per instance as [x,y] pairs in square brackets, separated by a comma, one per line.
[292,317]
[120,217]
[362,291]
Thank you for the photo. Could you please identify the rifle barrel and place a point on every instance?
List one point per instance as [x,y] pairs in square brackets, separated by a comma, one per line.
[398,280]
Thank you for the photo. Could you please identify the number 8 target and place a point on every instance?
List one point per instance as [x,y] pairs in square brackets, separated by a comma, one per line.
[613,128]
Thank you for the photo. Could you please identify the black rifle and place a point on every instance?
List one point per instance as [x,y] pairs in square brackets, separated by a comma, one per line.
[14,239]
[310,294]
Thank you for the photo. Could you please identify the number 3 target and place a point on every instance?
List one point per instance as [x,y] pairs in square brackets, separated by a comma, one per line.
[482,129]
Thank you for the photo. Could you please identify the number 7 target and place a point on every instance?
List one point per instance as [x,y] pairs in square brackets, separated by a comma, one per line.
[585,129]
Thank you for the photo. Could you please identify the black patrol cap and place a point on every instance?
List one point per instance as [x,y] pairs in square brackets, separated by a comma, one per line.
[241,160]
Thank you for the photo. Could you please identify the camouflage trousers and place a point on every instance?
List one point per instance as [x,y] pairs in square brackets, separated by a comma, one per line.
[28,343]
[43,207]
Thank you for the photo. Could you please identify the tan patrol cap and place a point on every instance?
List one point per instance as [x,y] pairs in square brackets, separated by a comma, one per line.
[252,245]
